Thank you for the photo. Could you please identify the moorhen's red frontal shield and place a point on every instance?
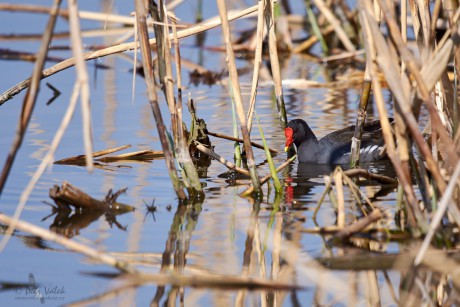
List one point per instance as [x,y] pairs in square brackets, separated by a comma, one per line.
[289,133]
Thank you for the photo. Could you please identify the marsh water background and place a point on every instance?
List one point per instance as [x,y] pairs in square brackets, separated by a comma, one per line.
[214,232]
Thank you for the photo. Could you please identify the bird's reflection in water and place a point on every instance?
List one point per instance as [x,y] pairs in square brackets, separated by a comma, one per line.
[303,185]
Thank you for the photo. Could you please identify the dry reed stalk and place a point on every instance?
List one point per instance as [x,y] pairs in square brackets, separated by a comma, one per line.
[178,61]
[408,116]
[164,58]
[31,95]
[274,61]
[83,81]
[190,175]
[362,109]
[402,136]
[235,89]
[204,26]
[403,103]
[257,62]
[322,7]
[340,200]
[370,34]
[153,99]
[418,24]
[70,244]
[360,118]
[373,292]
[133,81]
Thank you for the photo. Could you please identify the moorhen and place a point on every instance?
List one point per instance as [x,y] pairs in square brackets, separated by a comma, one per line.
[335,147]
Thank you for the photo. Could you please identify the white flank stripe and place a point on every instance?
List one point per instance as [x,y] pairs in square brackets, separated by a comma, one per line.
[373,148]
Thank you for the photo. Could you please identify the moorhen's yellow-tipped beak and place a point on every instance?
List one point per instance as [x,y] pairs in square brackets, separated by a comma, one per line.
[286,149]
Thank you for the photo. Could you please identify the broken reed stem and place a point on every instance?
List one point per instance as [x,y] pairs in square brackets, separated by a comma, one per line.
[340,199]
[31,95]
[184,153]
[190,176]
[235,88]
[70,244]
[153,99]
[360,119]
[274,61]
[204,26]
[257,62]
[164,58]
[83,80]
